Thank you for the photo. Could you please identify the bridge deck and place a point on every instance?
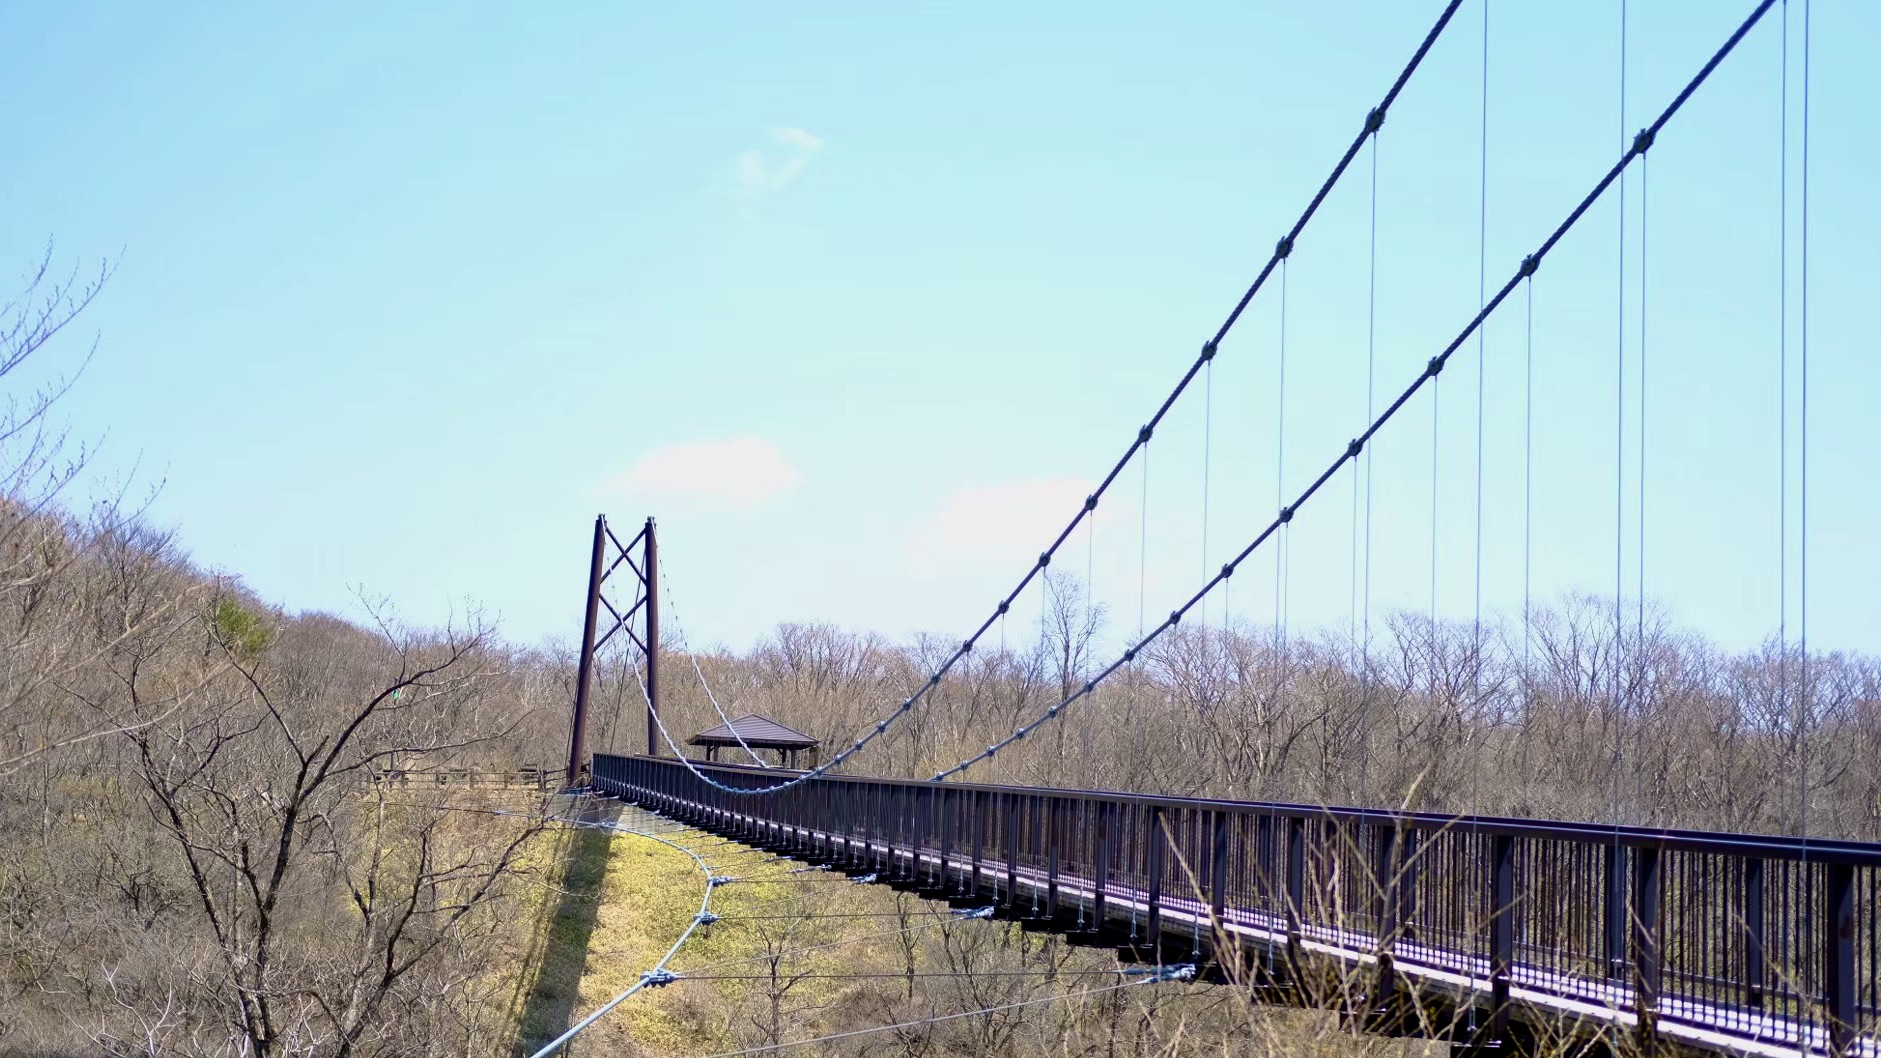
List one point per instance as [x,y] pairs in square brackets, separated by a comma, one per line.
[956,847]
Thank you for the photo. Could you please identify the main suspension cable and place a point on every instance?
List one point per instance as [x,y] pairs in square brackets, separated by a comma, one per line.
[1529,264]
[1638,147]
[672,613]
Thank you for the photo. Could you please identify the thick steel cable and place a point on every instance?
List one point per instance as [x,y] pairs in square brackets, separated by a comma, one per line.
[773,1047]
[1373,120]
[1640,144]
[894,975]
[672,612]
[659,968]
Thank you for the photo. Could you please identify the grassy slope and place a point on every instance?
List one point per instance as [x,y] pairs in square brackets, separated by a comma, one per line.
[649,892]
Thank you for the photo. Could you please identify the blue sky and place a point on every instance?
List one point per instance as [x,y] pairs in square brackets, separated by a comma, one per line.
[860,300]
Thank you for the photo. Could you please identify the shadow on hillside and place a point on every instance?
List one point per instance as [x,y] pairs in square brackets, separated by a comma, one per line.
[562,947]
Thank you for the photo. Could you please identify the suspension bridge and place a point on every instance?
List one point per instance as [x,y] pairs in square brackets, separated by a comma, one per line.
[1492,933]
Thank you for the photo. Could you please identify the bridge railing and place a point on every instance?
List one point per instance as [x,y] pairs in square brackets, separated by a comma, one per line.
[1758,938]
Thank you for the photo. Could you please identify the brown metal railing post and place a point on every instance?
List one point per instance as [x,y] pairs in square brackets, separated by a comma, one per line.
[979,840]
[1296,898]
[1011,849]
[1501,932]
[578,730]
[1614,906]
[1646,949]
[1055,823]
[1153,925]
[1100,867]
[652,574]
[1838,969]
[949,799]
[1218,883]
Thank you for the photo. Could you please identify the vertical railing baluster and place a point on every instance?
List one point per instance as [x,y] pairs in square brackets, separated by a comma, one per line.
[1753,935]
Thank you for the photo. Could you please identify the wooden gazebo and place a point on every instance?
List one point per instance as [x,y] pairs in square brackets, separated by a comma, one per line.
[760,733]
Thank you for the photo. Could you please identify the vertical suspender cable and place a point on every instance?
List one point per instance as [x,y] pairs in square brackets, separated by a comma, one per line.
[1783,373]
[1619,472]
[1371,360]
[1805,702]
[1640,681]
[1482,298]
[1528,515]
[1208,440]
[1280,462]
[1142,560]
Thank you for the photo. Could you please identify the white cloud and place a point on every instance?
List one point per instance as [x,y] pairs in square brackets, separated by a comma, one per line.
[1005,525]
[738,472]
[768,170]
[795,137]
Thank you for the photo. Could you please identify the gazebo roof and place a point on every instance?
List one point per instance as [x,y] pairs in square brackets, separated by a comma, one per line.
[755,730]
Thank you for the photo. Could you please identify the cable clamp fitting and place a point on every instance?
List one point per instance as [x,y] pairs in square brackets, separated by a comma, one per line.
[1286,515]
[1175,617]
[1208,350]
[1284,248]
[1227,570]
[1090,502]
[706,918]
[1435,365]
[1353,448]
[720,879]
[1643,142]
[974,912]
[1375,120]
[1044,559]
[1529,264]
[657,978]
[867,879]
[1143,435]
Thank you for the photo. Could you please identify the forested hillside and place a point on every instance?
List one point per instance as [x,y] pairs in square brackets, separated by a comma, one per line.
[206,853]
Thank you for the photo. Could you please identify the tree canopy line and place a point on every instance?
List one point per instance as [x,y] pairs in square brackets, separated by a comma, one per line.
[1562,718]
[200,857]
